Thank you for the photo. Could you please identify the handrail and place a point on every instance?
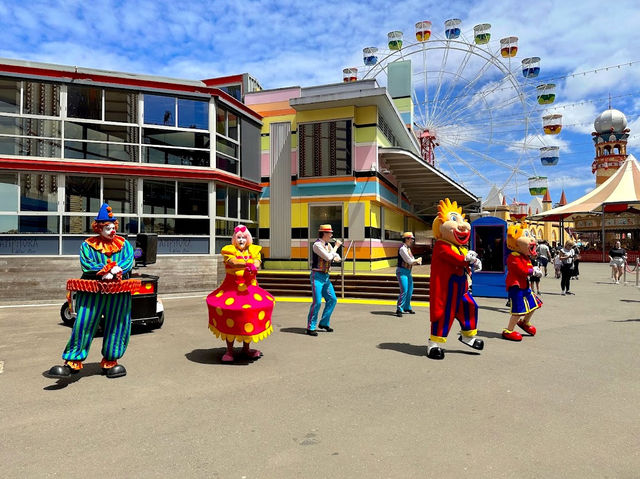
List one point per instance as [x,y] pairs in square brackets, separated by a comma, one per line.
[342,264]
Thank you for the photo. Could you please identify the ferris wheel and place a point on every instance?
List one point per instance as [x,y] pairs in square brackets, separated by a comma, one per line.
[476,110]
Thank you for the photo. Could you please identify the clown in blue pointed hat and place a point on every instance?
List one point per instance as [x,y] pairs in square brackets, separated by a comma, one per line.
[103,290]
[105,214]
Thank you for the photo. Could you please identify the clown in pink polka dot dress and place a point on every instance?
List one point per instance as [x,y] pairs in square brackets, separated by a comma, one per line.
[240,310]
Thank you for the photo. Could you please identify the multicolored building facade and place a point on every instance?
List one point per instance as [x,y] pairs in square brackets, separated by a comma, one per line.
[342,154]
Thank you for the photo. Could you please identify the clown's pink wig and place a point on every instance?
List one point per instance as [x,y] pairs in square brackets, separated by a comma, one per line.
[244,230]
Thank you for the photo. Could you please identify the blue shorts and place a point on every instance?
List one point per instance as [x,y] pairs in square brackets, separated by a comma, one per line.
[523,301]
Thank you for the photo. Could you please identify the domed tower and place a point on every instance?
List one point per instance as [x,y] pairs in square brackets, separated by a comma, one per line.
[610,139]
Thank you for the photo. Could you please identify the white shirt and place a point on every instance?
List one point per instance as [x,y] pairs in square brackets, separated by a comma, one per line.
[320,249]
[407,255]
[543,250]
[570,253]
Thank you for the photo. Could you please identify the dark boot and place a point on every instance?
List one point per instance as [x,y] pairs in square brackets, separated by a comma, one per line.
[60,372]
[116,371]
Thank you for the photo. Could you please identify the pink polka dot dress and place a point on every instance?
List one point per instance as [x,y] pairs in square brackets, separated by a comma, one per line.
[240,310]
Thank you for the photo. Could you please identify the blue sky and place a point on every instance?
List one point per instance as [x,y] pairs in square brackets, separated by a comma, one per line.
[284,43]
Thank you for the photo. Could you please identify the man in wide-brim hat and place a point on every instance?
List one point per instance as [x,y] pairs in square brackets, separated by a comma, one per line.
[322,257]
[403,273]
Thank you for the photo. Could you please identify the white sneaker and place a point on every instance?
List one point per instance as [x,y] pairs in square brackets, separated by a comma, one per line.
[617,282]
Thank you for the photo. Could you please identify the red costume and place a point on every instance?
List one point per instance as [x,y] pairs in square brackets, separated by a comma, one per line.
[449,290]
[519,268]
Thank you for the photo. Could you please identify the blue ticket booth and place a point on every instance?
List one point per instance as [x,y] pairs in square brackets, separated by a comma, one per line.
[489,240]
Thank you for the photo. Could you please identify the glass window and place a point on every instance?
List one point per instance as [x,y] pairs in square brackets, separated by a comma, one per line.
[193,198]
[9,225]
[225,228]
[10,146]
[221,120]
[100,132]
[161,226]
[253,206]
[29,127]
[77,225]
[225,163]
[234,90]
[244,204]
[233,203]
[120,193]
[174,156]
[84,102]
[38,192]
[9,96]
[325,148]
[184,139]
[159,110]
[39,224]
[232,126]
[10,125]
[41,98]
[76,150]
[192,226]
[159,197]
[82,194]
[120,106]
[221,200]
[227,147]
[9,191]
[193,114]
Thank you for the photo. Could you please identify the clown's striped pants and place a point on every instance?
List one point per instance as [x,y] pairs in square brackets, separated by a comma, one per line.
[460,305]
[90,307]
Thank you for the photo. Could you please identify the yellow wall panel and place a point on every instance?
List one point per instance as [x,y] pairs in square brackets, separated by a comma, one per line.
[326,114]
[263,215]
[366,115]
[381,139]
[300,215]
[393,220]
[375,216]
[365,135]
[367,213]
[266,122]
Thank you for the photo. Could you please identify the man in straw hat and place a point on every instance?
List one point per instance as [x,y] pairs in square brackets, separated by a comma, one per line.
[321,287]
[403,273]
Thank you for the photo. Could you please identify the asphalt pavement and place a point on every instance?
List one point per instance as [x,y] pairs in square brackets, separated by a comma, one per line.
[361,402]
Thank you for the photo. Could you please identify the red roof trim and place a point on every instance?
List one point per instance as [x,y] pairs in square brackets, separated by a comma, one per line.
[135,169]
[133,82]
[223,80]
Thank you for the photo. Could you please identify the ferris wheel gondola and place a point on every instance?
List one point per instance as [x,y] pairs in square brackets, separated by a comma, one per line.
[471,105]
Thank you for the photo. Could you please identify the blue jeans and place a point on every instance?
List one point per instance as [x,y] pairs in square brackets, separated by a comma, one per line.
[321,287]
[405,280]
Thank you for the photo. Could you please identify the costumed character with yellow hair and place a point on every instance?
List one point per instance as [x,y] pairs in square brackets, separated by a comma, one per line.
[240,310]
[103,290]
[523,301]
[449,289]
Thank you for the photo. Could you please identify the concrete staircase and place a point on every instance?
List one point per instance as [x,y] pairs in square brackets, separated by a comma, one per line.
[362,286]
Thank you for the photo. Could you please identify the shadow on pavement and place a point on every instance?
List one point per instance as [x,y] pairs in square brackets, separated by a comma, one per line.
[630,300]
[503,309]
[406,348]
[89,369]
[489,334]
[384,313]
[214,356]
[294,330]
[624,320]
[420,349]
